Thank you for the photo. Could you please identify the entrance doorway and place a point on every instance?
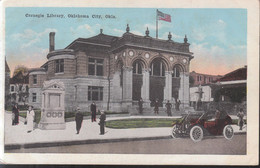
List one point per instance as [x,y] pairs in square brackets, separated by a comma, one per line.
[137,80]
[157,81]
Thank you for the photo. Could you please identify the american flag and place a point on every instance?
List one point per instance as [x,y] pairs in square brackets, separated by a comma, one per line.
[163,16]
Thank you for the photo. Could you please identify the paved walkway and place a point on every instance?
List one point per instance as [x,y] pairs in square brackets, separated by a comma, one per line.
[17,135]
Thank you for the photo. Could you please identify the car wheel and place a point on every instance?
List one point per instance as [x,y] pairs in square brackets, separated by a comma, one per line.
[196,133]
[174,133]
[228,132]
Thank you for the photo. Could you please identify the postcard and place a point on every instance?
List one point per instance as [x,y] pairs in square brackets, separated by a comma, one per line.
[130,82]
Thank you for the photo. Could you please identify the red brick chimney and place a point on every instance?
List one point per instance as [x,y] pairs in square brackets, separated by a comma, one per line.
[52,41]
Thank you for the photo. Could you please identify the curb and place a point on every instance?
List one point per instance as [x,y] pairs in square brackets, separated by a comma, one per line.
[89,141]
[79,142]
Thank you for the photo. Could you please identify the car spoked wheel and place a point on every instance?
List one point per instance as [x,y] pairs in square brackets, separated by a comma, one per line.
[228,132]
[174,133]
[196,133]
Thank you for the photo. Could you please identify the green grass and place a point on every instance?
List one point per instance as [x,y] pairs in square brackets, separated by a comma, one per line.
[145,123]
[141,123]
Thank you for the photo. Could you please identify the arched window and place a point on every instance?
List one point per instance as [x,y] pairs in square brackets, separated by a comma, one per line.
[137,67]
[176,71]
[157,68]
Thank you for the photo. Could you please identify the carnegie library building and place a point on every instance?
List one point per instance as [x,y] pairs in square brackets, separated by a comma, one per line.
[116,72]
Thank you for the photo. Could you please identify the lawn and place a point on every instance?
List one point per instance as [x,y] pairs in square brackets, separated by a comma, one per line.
[141,123]
[145,123]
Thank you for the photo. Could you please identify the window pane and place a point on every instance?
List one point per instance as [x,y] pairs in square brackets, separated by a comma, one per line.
[62,65]
[95,95]
[156,69]
[99,70]
[62,68]
[139,68]
[101,94]
[91,69]
[100,61]
[163,69]
[91,60]
[57,66]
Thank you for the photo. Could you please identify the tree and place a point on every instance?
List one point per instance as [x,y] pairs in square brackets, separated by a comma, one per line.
[20,68]
[20,79]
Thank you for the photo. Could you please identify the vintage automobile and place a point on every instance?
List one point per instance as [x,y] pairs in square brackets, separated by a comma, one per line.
[196,125]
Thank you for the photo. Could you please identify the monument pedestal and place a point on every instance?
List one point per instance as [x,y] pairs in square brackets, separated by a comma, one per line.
[52,113]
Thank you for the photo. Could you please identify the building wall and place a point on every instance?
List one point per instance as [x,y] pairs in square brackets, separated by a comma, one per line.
[201,79]
[40,79]
[38,102]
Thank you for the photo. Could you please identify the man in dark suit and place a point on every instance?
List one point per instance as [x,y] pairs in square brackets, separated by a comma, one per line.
[93,108]
[140,103]
[78,119]
[102,122]
[156,107]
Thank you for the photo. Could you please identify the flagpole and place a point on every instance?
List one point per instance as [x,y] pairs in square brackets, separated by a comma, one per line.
[157,23]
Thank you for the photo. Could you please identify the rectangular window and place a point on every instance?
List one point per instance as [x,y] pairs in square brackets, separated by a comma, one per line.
[33,97]
[20,87]
[34,79]
[12,88]
[59,64]
[95,66]
[95,93]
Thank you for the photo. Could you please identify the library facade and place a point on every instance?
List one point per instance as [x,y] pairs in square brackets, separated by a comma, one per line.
[116,72]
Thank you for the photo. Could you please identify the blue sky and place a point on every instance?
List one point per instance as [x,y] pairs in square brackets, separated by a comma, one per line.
[218,37]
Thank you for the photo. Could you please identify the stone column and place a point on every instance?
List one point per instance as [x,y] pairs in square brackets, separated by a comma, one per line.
[168,87]
[145,88]
[127,83]
[116,92]
[184,93]
[127,87]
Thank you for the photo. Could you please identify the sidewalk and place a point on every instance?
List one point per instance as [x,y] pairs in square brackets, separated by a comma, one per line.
[17,136]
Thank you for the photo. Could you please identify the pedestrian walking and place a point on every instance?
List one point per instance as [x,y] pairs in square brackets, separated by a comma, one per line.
[78,119]
[177,105]
[15,115]
[240,115]
[30,119]
[102,122]
[168,108]
[93,108]
[140,103]
[156,107]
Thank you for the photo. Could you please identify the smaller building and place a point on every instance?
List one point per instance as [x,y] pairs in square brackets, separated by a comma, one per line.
[36,78]
[228,91]
[202,79]
[19,88]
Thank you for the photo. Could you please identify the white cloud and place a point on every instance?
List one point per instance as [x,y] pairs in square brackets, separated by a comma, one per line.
[85,29]
[30,37]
